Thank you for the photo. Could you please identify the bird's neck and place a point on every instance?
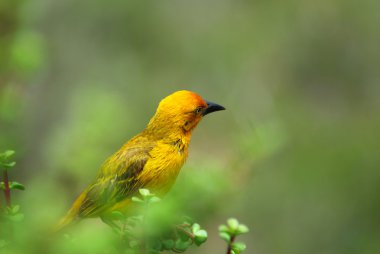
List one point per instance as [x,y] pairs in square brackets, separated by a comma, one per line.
[167,131]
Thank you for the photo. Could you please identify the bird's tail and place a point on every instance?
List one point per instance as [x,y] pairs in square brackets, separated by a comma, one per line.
[71,216]
[67,220]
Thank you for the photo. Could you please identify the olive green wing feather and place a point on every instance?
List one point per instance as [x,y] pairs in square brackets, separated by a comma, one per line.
[116,181]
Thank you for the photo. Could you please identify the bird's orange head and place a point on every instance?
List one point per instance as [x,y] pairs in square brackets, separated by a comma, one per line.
[182,111]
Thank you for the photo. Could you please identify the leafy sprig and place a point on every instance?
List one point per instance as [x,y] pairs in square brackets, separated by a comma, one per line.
[229,232]
[9,213]
[6,185]
[145,233]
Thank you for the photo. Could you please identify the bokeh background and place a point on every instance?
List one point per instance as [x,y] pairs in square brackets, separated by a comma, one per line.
[295,156]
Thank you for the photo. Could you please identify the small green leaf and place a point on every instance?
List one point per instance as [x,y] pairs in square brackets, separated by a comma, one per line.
[183,236]
[154,199]
[5,155]
[195,228]
[117,215]
[144,192]
[233,223]
[137,200]
[16,185]
[15,209]
[225,236]
[201,233]
[181,246]
[200,237]
[168,244]
[238,247]
[8,165]
[242,229]
[155,244]
[223,228]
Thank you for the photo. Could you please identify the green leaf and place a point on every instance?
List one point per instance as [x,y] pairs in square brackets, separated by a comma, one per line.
[15,209]
[195,228]
[225,236]
[183,236]
[137,200]
[155,244]
[5,155]
[200,237]
[117,215]
[154,199]
[238,247]
[233,223]
[168,244]
[181,246]
[16,185]
[201,233]
[242,229]
[223,228]
[8,165]
[144,192]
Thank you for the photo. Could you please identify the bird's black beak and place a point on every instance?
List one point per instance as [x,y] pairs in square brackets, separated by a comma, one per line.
[212,107]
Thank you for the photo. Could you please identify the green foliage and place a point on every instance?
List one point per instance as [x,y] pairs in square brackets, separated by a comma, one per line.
[4,159]
[147,197]
[13,185]
[9,214]
[298,144]
[13,214]
[148,231]
[229,232]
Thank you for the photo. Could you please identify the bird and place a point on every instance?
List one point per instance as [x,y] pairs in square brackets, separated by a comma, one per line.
[152,159]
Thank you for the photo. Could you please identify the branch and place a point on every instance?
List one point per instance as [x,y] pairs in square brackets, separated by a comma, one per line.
[230,244]
[7,190]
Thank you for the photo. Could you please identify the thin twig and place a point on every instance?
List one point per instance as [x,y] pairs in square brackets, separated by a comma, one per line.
[230,244]
[185,232]
[7,190]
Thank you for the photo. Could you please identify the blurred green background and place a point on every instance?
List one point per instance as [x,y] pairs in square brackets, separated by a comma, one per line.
[295,156]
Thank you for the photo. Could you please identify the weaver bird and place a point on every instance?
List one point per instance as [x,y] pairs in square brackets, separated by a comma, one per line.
[151,159]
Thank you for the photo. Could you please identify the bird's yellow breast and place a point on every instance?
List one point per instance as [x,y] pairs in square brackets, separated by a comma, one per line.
[161,170]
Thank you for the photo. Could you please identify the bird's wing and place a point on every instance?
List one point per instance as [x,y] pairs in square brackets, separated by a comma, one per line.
[117,180]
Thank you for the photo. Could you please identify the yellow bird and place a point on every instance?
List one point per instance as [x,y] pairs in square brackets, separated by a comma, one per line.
[151,159]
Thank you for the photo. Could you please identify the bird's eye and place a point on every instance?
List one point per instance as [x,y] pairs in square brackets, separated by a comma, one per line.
[198,110]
